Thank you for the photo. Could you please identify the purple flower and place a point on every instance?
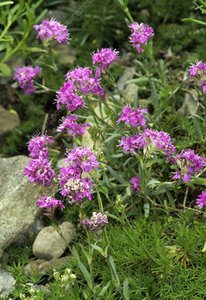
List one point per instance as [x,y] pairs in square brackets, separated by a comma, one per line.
[82,158]
[72,127]
[79,75]
[37,146]
[51,29]
[72,186]
[198,68]
[201,200]
[40,171]
[105,57]
[135,182]
[199,71]
[188,163]
[149,141]
[67,95]
[49,203]
[96,223]
[85,82]
[133,117]
[140,35]
[25,77]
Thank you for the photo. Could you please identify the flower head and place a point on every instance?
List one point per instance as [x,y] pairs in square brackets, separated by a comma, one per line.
[51,29]
[105,57]
[198,70]
[96,223]
[40,171]
[134,117]
[85,82]
[135,182]
[37,146]
[67,95]
[149,141]
[140,35]
[201,200]
[73,186]
[188,164]
[25,77]
[72,127]
[82,158]
[49,203]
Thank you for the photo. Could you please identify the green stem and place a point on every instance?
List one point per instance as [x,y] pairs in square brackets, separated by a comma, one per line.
[127,12]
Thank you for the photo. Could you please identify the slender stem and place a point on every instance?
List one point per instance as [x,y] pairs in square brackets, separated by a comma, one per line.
[127,12]
[44,124]
[185,197]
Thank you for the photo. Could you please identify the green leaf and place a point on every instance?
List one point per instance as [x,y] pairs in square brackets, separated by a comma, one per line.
[86,274]
[99,249]
[2,46]
[200,181]
[146,210]
[118,177]
[126,289]
[104,289]
[6,3]
[34,49]
[195,21]
[5,69]
[114,271]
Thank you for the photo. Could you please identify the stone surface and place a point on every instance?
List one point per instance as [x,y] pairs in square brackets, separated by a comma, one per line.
[190,104]
[8,120]
[32,232]
[51,242]
[128,74]
[42,266]
[18,209]
[7,283]
[130,92]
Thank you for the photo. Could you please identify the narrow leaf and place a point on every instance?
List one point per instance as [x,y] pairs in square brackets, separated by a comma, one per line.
[126,289]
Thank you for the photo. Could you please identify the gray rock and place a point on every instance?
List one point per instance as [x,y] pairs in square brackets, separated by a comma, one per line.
[130,92]
[40,287]
[51,242]
[42,266]
[190,104]
[18,209]
[7,283]
[32,232]
[8,120]
[128,74]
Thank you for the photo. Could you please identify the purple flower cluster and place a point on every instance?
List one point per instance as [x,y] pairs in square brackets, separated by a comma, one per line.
[199,71]
[72,127]
[134,117]
[25,77]
[37,146]
[51,29]
[140,35]
[40,171]
[39,168]
[150,141]
[49,203]
[188,164]
[105,57]
[96,223]
[67,95]
[135,182]
[83,159]
[201,200]
[83,79]
[73,181]
[79,80]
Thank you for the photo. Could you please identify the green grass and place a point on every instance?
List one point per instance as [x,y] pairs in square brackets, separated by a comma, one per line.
[160,257]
